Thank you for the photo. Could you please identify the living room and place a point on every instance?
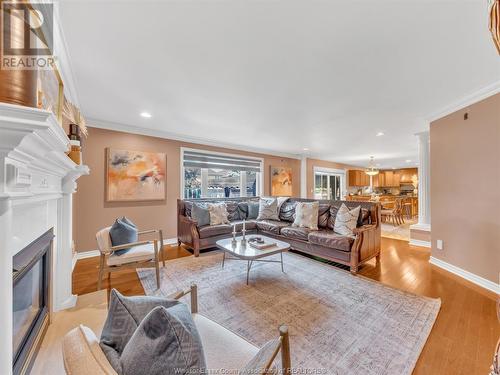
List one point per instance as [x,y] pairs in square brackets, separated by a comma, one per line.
[250,187]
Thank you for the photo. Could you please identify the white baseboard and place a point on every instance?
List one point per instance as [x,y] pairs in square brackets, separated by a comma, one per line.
[421,243]
[96,253]
[469,276]
[420,226]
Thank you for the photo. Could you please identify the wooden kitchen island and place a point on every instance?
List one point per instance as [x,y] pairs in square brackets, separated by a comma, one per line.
[387,200]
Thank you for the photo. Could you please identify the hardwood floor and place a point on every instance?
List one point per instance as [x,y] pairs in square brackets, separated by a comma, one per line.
[464,335]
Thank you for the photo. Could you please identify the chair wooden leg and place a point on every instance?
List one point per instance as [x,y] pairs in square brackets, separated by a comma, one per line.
[162,248]
[285,350]
[101,269]
[157,265]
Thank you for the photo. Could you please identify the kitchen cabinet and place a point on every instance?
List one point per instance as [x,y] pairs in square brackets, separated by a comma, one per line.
[358,178]
[387,179]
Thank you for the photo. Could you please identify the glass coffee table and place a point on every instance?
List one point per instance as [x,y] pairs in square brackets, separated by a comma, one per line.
[251,254]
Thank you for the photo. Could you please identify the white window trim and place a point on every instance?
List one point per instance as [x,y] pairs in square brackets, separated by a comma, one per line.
[260,179]
[341,172]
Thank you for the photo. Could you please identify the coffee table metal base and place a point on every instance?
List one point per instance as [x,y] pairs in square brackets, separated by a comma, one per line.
[250,262]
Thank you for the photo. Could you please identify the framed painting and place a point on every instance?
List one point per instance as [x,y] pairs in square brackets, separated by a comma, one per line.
[135,175]
[281,181]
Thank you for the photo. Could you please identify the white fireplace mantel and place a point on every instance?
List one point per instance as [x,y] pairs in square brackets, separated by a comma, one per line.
[37,181]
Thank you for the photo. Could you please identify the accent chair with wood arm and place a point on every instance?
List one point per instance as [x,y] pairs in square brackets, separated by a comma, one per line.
[225,351]
[141,254]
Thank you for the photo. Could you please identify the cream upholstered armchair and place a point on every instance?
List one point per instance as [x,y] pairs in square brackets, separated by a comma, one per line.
[141,253]
[225,351]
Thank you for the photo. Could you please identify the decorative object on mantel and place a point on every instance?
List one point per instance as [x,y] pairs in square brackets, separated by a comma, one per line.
[135,175]
[50,92]
[494,23]
[371,170]
[77,125]
[281,181]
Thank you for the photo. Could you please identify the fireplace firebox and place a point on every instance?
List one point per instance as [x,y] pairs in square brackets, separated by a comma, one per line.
[31,283]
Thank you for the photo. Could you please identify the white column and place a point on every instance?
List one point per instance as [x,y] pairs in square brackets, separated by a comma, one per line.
[204,182]
[6,285]
[303,177]
[424,182]
[243,184]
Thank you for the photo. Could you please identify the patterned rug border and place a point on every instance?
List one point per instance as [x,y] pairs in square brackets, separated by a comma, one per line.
[435,302]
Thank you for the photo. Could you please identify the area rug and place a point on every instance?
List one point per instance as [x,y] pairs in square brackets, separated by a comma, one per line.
[339,323]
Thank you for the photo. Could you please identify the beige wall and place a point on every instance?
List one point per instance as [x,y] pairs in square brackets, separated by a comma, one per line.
[92,212]
[465,188]
[311,163]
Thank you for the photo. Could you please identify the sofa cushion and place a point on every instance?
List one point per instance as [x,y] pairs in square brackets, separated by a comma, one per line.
[200,213]
[218,213]
[327,238]
[268,209]
[165,342]
[287,211]
[346,220]
[232,211]
[214,230]
[306,215]
[253,210]
[364,217]
[249,224]
[323,215]
[271,226]
[296,233]
[243,210]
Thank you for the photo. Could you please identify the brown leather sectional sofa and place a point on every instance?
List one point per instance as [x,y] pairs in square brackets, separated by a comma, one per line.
[324,243]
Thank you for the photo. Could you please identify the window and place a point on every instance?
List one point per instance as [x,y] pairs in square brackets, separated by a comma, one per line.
[329,184]
[215,175]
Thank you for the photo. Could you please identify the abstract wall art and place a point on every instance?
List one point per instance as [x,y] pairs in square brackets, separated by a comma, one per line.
[135,175]
[281,181]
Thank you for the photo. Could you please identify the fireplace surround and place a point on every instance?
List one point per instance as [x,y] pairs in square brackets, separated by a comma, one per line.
[37,182]
[30,300]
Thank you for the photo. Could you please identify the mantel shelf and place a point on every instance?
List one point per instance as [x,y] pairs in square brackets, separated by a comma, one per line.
[33,158]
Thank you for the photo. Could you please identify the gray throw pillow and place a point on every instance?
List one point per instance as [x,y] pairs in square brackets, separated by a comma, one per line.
[166,342]
[243,210]
[124,316]
[122,232]
[253,210]
[200,213]
[268,209]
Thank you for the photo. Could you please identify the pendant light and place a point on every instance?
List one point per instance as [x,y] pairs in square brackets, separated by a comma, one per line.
[371,170]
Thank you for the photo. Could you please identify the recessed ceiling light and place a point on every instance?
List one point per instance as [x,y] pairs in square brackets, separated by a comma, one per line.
[380,134]
[408,160]
[146,114]
[305,149]
[393,167]
[378,164]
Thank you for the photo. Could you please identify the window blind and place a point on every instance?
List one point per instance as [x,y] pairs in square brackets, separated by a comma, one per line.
[199,159]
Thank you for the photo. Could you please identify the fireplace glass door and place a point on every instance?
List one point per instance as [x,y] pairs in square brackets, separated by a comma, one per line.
[28,303]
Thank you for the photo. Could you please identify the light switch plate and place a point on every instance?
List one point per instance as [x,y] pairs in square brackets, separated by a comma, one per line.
[439,244]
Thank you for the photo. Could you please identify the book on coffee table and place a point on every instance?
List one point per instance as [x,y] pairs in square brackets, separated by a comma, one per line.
[261,246]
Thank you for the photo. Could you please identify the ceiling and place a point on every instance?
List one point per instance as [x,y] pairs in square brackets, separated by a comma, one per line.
[280,75]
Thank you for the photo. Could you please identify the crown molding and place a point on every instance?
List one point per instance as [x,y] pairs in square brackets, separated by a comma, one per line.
[109,125]
[465,101]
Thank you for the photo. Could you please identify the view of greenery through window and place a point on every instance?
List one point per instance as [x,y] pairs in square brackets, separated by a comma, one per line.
[218,183]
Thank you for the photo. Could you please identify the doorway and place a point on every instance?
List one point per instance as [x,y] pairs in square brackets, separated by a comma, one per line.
[329,184]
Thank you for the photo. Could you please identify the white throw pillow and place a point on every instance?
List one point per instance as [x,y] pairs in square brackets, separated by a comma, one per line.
[268,209]
[306,215]
[218,213]
[346,220]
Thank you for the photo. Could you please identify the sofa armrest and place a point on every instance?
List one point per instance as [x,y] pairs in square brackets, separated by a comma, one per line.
[366,245]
